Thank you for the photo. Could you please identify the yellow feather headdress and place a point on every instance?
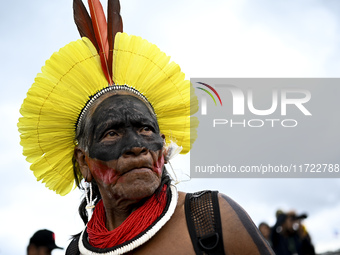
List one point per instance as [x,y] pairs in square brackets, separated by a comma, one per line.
[73,75]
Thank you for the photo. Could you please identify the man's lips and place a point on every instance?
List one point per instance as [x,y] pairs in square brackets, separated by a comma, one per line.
[138,170]
[125,166]
[111,171]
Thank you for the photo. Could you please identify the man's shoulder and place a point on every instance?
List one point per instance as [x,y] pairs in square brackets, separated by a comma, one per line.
[240,235]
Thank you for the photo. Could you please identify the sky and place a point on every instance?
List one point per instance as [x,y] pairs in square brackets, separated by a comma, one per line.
[217,38]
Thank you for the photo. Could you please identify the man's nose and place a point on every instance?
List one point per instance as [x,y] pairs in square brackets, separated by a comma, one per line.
[135,151]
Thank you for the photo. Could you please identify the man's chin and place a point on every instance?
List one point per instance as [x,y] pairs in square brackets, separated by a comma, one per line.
[137,185]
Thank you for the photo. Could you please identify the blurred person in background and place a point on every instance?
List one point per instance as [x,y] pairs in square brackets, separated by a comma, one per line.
[289,236]
[42,243]
[265,231]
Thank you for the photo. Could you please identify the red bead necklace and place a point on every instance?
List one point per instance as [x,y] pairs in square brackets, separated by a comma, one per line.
[136,223]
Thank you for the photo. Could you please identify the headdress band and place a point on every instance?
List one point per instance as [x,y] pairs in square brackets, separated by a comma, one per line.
[108,89]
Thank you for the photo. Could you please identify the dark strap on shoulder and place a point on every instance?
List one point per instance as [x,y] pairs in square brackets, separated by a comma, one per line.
[203,217]
[73,248]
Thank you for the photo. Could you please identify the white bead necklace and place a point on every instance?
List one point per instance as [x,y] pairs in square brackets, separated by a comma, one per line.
[142,239]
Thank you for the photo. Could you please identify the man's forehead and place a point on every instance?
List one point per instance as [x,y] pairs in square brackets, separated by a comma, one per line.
[123,106]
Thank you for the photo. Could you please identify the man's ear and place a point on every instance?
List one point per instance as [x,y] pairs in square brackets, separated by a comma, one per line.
[79,155]
[165,150]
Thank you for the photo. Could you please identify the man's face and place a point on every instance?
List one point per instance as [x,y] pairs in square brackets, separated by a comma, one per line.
[289,224]
[265,230]
[38,250]
[125,151]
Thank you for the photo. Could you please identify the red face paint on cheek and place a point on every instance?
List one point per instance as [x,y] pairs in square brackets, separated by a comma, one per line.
[158,166]
[101,171]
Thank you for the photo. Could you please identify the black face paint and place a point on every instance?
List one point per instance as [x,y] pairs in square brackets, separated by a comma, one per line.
[120,123]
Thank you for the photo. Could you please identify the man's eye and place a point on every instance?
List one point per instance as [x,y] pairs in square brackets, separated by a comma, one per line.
[146,129]
[110,134]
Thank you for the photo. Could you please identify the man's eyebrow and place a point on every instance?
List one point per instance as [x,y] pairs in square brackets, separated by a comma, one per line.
[109,123]
[144,120]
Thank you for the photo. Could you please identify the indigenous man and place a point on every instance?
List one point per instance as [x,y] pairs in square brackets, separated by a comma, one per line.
[120,137]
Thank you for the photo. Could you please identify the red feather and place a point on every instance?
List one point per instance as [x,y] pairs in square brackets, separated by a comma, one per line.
[114,25]
[84,22]
[100,31]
